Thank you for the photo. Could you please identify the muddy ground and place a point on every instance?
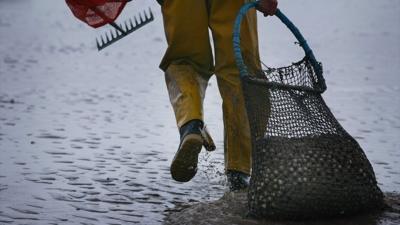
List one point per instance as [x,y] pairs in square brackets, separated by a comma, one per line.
[231,209]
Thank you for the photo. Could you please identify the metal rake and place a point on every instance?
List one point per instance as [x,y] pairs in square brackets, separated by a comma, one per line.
[123,30]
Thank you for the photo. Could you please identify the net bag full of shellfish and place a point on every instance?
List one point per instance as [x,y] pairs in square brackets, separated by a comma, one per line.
[305,165]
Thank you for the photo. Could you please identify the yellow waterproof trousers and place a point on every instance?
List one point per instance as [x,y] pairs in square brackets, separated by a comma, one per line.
[188,64]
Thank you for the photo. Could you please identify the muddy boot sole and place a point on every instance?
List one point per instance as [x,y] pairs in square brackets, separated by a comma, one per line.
[184,164]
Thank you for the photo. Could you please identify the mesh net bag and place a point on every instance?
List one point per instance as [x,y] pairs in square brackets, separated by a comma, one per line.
[96,13]
[305,165]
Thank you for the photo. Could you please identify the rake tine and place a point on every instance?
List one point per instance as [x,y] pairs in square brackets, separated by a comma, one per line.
[102,41]
[127,28]
[131,23]
[112,34]
[136,21]
[141,18]
[122,28]
[107,38]
[98,44]
[151,14]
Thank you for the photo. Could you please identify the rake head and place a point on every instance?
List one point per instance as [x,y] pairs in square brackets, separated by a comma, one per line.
[124,29]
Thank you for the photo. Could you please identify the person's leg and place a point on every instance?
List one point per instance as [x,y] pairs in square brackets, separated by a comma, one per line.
[186,31]
[186,89]
[188,64]
[188,61]
[237,131]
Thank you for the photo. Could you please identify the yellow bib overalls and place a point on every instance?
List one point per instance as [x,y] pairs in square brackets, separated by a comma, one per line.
[188,64]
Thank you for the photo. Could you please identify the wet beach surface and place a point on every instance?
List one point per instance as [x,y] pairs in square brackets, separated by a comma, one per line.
[232,209]
[87,137]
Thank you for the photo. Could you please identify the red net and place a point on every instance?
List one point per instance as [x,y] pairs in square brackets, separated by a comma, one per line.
[96,13]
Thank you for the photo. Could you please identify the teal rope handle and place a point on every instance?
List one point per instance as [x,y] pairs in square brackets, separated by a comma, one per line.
[303,43]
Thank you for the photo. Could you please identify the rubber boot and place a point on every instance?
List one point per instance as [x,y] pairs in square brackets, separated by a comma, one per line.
[237,180]
[184,164]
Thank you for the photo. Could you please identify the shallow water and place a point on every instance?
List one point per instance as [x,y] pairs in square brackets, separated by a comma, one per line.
[87,137]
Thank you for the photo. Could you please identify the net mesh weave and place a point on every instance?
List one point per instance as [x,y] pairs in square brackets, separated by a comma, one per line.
[305,164]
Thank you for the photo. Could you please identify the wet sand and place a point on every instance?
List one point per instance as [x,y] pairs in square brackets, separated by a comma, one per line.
[87,137]
[231,209]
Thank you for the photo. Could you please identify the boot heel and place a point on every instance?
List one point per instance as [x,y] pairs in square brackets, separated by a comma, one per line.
[208,142]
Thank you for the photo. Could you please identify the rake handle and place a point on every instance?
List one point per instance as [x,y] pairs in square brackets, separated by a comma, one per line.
[113,24]
[303,43]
